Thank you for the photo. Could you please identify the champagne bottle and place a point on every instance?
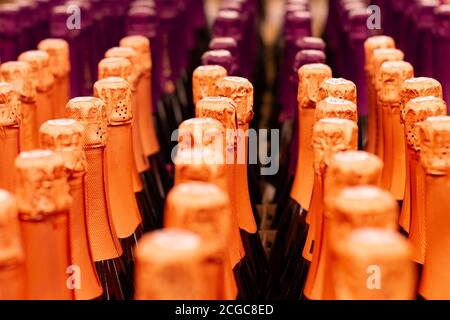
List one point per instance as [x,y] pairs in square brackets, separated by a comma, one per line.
[203,80]
[42,77]
[373,264]
[146,191]
[148,133]
[412,88]
[65,137]
[372,43]
[104,243]
[116,94]
[379,57]
[349,169]
[292,224]
[17,73]
[173,264]
[204,208]
[434,158]
[416,111]
[12,260]
[240,90]
[392,75]
[9,136]
[58,51]
[324,150]
[44,202]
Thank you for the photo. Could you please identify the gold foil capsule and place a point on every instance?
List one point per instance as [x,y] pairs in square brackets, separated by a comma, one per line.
[42,186]
[58,51]
[65,137]
[9,105]
[240,90]
[204,79]
[336,108]
[434,145]
[116,67]
[311,76]
[40,74]
[376,42]
[141,45]
[116,93]
[18,74]
[338,88]
[392,76]
[373,264]
[173,264]
[379,57]
[129,54]
[91,113]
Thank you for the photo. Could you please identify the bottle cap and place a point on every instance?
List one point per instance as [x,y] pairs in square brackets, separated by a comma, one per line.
[17,73]
[416,111]
[336,108]
[41,187]
[91,113]
[224,43]
[116,94]
[338,88]
[310,78]
[379,57]
[376,42]
[204,79]
[141,45]
[373,264]
[351,168]
[228,23]
[330,136]
[392,75]
[218,57]
[40,74]
[173,264]
[65,137]
[9,105]
[142,21]
[116,67]
[10,244]
[307,57]
[198,133]
[434,145]
[418,87]
[310,43]
[58,51]
[240,90]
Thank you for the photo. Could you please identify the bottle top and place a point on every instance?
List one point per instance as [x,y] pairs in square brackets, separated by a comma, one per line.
[338,88]
[311,76]
[418,87]
[298,23]
[228,23]
[40,74]
[9,105]
[141,45]
[204,79]
[222,109]
[240,90]
[17,74]
[373,264]
[310,43]
[116,94]
[58,51]
[307,57]
[416,111]
[41,187]
[358,206]
[376,42]
[65,137]
[434,145]
[198,133]
[224,43]
[91,113]
[331,135]
[392,75]
[10,244]
[119,68]
[206,164]
[170,265]
[218,57]
[351,168]
[199,207]
[424,13]
[336,108]
[142,21]
[379,57]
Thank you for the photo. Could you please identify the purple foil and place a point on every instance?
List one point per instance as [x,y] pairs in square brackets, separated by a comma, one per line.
[227,43]
[218,57]
[11,37]
[424,38]
[442,49]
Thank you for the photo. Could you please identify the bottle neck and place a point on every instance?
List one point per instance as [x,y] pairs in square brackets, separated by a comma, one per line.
[9,140]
